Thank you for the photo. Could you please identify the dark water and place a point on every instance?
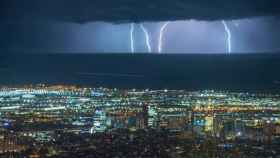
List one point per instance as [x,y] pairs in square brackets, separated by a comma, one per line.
[232,72]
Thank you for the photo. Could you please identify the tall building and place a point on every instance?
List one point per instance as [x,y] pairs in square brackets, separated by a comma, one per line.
[145,115]
[99,121]
[152,117]
[209,124]
[239,128]
[229,129]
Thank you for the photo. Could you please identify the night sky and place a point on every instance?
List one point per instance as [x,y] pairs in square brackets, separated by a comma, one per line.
[131,26]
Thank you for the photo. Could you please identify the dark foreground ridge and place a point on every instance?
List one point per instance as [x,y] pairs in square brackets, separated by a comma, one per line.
[229,72]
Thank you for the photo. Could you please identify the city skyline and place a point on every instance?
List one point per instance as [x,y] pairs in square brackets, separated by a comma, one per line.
[52,113]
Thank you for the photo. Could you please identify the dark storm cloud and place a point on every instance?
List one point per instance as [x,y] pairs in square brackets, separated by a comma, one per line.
[135,10]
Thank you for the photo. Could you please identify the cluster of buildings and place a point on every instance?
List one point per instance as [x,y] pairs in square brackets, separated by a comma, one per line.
[42,114]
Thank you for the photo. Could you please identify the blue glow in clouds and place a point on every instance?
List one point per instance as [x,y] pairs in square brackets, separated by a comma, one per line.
[256,35]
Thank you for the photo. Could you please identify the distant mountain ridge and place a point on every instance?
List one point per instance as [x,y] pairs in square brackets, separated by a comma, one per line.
[178,71]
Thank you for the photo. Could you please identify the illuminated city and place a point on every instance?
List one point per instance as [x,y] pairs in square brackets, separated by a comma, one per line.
[139,79]
[61,121]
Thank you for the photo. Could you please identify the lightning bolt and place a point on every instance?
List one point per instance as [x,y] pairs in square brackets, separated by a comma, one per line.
[132,38]
[228,36]
[147,38]
[161,36]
